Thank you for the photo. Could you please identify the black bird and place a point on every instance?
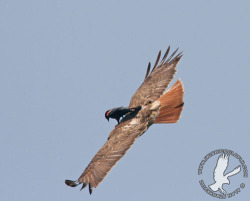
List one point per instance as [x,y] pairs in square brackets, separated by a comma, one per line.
[118,112]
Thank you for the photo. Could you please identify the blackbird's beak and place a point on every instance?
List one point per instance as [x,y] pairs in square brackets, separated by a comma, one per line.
[107,118]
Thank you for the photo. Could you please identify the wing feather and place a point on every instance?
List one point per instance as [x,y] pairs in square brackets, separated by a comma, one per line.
[156,81]
[172,55]
[148,69]
[165,56]
[157,60]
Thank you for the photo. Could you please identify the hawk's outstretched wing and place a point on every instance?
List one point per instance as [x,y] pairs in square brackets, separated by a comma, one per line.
[235,171]
[156,82]
[120,140]
[221,166]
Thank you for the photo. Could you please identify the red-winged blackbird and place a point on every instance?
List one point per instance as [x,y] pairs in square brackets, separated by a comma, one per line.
[118,112]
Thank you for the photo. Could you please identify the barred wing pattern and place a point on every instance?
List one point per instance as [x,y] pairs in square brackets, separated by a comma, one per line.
[156,82]
[120,140]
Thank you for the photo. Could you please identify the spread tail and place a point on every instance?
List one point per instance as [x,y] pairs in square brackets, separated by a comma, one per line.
[171,104]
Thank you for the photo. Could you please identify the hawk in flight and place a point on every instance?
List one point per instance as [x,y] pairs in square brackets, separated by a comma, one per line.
[219,176]
[149,105]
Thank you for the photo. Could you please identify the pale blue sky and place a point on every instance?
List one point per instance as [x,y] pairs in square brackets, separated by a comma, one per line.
[64,63]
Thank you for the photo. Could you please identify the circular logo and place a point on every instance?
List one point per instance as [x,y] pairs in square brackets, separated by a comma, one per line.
[222,173]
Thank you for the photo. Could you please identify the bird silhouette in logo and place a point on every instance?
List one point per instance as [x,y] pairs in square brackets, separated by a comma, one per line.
[219,176]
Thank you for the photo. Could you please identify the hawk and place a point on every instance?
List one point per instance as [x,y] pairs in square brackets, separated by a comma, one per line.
[154,107]
[219,177]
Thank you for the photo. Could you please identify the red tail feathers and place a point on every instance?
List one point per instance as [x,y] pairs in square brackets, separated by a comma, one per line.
[171,104]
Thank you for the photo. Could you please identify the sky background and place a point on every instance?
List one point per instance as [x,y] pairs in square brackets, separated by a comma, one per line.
[64,63]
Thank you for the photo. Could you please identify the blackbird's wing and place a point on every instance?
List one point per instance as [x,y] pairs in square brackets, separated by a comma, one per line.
[156,81]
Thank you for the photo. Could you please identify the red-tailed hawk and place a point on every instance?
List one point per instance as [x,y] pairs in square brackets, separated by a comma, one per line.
[155,107]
